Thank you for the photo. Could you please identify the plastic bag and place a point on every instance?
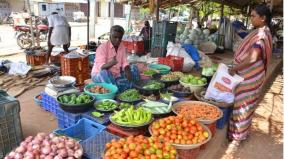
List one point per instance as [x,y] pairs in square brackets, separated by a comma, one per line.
[222,85]
[19,68]
[177,50]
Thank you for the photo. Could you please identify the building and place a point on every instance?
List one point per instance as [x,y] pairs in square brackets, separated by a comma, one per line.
[65,7]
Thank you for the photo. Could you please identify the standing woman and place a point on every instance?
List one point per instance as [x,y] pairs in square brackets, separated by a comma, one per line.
[146,32]
[251,60]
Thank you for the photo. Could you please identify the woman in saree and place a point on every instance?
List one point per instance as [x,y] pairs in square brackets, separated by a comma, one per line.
[250,62]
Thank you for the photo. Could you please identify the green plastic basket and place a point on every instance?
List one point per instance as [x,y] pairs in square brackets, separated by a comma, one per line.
[163,69]
[112,88]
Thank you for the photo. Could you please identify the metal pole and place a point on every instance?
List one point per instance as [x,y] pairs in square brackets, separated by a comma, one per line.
[92,17]
[111,12]
[88,25]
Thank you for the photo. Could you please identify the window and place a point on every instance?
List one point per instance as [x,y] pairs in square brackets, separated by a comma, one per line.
[43,7]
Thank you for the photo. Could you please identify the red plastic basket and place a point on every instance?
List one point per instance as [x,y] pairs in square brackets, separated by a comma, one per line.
[121,132]
[188,154]
[175,62]
[137,46]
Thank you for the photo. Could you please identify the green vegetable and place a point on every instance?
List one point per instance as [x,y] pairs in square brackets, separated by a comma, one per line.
[106,105]
[132,117]
[149,72]
[156,107]
[97,114]
[130,95]
[74,99]
[124,105]
[153,85]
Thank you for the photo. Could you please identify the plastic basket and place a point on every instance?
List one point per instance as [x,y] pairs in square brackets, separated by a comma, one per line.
[10,123]
[66,119]
[226,115]
[188,154]
[94,147]
[104,120]
[37,101]
[175,62]
[112,88]
[125,132]
[49,103]
[82,131]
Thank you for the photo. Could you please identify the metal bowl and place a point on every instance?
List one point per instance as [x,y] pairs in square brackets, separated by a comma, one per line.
[62,81]
[131,126]
[102,110]
[190,103]
[140,84]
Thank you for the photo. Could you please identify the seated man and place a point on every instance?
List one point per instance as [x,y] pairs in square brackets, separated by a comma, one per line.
[110,65]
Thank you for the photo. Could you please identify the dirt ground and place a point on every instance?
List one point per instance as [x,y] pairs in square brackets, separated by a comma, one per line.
[266,141]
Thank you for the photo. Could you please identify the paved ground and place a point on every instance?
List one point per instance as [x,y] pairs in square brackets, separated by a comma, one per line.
[8,43]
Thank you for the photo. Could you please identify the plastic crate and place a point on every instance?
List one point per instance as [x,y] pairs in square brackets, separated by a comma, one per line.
[49,103]
[104,120]
[66,119]
[94,147]
[188,154]
[226,115]
[175,62]
[10,123]
[82,130]
[123,132]
[164,27]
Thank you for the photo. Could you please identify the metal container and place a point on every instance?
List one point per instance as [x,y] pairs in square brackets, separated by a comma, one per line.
[62,81]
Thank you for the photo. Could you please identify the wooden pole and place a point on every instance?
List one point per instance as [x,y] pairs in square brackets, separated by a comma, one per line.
[31,24]
[222,13]
[158,3]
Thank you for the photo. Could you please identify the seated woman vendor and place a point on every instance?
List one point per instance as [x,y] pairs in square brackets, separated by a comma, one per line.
[110,65]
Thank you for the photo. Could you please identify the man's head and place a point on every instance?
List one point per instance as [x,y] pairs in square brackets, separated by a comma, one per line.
[147,24]
[116,34]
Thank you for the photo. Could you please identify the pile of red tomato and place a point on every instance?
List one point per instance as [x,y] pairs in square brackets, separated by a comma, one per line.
[139,147]
[179,130]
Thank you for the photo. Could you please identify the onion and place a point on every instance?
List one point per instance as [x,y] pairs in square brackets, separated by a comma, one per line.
[70,157]
[20,149]
[51,135]
[24,144]
[29,139]
[46,150]
[12,154]
[58,157]
[18,156]
[36,141]
[46,142]
[53,148]
[70,143]
[29,148]
[36,147]
[48,157]
[70,152]
[29,155]
[55,140]
[7,157]
[36,152]
[62,152]
[42,156]
[78,153]
[61,145]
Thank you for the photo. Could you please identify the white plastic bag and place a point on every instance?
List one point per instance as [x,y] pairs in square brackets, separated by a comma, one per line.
[222,85]
[177,50]
[19,68]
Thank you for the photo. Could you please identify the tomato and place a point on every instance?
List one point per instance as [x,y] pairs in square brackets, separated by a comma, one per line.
[190,136]
[206,134]
[169,127]
[166,155]
[193,122]
[168,121]
[156,125]
[132,146]
[189,142]
[147,152]
[156,133]
[162,131]
[179,137]
[184,124]
[173,136]
[138,149]
[153,156]
[108,145]
[133,154]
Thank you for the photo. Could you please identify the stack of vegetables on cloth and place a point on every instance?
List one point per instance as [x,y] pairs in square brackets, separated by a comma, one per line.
[111,66]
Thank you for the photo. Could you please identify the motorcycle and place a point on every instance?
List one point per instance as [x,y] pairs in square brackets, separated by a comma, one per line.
[24,36]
